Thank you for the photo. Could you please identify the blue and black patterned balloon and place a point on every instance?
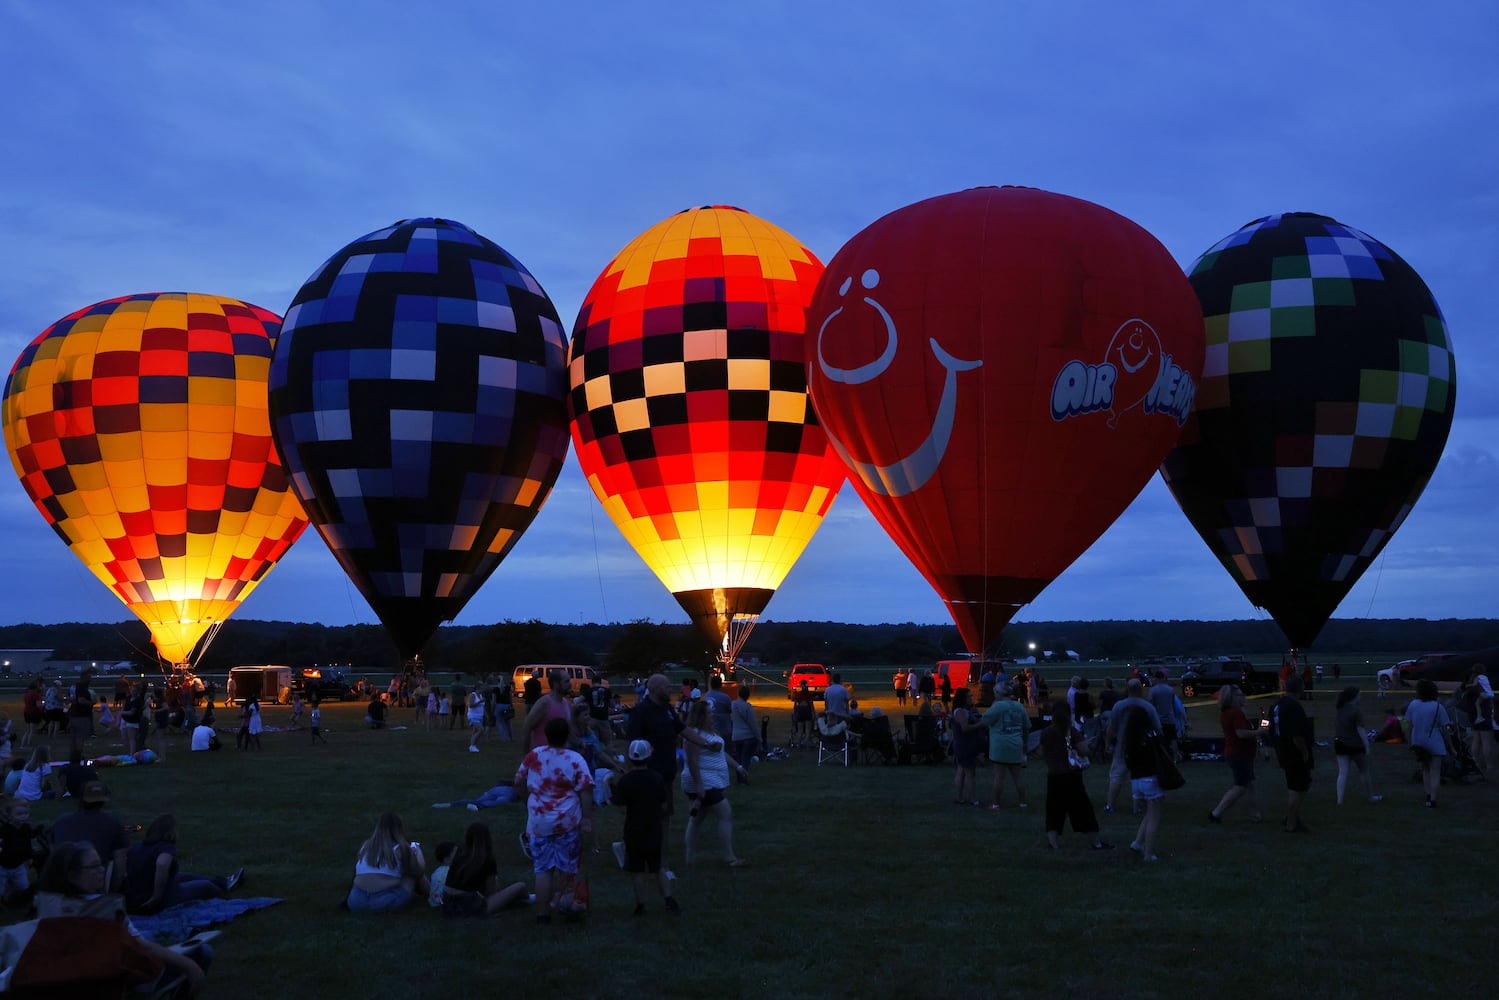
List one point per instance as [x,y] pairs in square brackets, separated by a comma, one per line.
[417,397]
[1325,402]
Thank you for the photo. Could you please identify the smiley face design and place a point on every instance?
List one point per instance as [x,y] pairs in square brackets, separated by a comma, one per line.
[911,472]
[1135,350]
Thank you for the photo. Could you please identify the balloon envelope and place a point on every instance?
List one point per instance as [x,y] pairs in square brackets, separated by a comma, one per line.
[1003,370]
[1325,403]
[689,408]
[417,399]
[138,427]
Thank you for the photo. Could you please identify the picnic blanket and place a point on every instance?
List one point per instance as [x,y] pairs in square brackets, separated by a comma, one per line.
[180,922]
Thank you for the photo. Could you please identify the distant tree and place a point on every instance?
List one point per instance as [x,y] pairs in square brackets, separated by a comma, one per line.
[645,647]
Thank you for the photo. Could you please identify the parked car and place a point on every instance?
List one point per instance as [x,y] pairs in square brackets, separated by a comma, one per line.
[1446,670]
[330,686]
[1208,676]
[815,674]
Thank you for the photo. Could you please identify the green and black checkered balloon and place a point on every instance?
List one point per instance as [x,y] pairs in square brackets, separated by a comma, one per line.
[1325,402]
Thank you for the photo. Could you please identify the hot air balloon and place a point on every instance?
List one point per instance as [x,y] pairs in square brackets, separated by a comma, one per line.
[689,410]
[1325,402]
[138,427]
[417,397]
[1002,370]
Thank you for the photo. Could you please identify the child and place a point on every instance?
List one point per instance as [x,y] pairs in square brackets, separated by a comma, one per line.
[18,845]
[106,717]
[645,798]
[296,711]
[317,723]
[445,853]
[444,710]
[430,709]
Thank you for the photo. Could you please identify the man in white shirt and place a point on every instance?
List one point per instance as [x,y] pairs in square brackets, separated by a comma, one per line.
[203,737]
[835,698]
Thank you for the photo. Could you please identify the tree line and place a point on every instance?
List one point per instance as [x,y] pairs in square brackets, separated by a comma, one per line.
[641,647]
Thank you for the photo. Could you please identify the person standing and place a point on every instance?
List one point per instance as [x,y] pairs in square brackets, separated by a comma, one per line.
[1350,743]
[317,722]
[653,720]
[1163,697]
[1429,723]
[645,797]
[1483,720]
[1293,749]
[475,709]
[1139,734]
[558,704]
[835,698]
[1066,795]
[1119,772]
[721,706]
[744,731]
[901,680]
[1009,726]
[557,788]
[1240,741]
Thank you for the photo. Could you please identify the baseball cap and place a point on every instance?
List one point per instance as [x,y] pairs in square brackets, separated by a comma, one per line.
[697,694]
[640,750]
[95,791]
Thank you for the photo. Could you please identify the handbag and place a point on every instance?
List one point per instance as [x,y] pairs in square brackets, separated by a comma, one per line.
[1167,773]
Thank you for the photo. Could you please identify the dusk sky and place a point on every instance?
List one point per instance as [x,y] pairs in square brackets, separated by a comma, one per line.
[230,149]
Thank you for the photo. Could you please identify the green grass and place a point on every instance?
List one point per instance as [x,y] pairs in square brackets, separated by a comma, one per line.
[862,881]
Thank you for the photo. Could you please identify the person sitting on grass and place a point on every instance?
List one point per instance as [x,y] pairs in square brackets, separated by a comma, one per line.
[20,842]
[72,884]
[473,884]
[152,879]
[389,871]
[644,796]
[437,885]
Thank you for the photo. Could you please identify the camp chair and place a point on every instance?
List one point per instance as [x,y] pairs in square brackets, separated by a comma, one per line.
[923,740]
[876,740]
[833,740]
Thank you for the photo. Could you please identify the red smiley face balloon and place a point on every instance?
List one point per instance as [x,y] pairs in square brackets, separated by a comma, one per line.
[1002,370]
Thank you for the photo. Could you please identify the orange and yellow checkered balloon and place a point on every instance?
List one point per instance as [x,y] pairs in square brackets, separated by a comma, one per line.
[688,401]
[139,428]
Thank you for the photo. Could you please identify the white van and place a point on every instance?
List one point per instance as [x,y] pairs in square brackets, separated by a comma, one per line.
[579,676]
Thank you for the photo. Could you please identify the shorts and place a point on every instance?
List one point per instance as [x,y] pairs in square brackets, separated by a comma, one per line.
[476,718]
[1298,775]
[1243,770]
[464,904]
[708,799]
[1343,749]
[1148,789]
[13,880]
[395,898]
[643,854]
[559,851]
[801,712]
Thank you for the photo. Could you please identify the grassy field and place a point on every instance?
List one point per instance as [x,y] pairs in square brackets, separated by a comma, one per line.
[864,881]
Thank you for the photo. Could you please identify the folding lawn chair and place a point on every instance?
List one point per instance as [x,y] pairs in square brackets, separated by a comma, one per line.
[833,739]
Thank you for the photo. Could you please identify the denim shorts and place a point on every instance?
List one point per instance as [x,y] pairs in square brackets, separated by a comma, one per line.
[395,898]
[1148,789]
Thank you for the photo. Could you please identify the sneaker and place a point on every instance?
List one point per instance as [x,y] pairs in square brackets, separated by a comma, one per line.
[472,748]
[442,805]
[672,907]
[619,852]
[1212,818]
[1108,809]
[1376,798]
[472,808]
[1136,847]
[234,880]
[1023,805]
[671,876]
[994,807]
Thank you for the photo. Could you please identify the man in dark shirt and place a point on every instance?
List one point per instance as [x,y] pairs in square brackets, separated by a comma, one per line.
[644,797]
[101,829]
[1293,749]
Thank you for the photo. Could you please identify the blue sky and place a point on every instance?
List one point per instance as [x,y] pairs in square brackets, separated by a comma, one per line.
[227,148]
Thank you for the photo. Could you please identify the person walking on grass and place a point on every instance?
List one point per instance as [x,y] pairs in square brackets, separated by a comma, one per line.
[1009,728]
[474,706]
[1429,724]
[646,800]
[705,779]
[1119,771]
[1240,741]
[1350,744]
[1066,795]
[1139,735]
[316,720]
[1293,749]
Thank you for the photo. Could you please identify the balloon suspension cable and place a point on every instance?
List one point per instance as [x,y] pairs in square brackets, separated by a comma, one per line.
[1375,592]
[740,627]
[208,636]
[598,563]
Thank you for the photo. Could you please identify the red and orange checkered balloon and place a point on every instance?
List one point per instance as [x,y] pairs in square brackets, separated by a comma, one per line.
[139,428]
[688,402]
